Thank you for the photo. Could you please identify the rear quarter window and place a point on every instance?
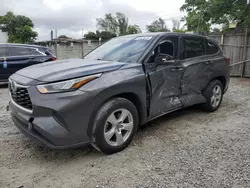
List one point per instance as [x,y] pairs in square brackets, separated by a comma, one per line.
[35,51]
[212,48]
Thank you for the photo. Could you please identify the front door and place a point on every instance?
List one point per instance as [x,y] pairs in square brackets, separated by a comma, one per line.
[164,79]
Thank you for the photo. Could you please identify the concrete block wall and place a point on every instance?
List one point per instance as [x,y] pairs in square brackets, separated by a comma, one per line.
[72,50]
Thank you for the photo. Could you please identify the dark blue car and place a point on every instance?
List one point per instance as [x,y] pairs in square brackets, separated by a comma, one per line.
[14,57]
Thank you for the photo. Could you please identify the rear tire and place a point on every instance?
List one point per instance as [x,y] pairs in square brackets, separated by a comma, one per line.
[214,95]
[115,125]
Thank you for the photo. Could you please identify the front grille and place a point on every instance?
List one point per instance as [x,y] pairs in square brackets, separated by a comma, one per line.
[20,96]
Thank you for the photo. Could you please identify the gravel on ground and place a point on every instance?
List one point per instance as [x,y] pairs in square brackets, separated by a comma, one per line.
[188,148]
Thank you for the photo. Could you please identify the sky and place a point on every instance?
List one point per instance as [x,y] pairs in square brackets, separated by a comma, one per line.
[74,17]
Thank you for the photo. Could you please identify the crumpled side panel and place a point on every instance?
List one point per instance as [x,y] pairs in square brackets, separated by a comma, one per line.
[195,78]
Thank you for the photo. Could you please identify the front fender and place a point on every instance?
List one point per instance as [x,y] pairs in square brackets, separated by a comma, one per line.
[123,82]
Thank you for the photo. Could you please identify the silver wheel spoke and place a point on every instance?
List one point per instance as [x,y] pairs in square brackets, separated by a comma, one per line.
[118,130]
[108,135]
[216,97]
[112,119]
[119,138]
[127,126]
[124,115]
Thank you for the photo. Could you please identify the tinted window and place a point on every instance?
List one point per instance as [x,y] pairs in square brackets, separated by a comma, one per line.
[194,47]
[2,51]
[18,51]
[212,48]
[35,52]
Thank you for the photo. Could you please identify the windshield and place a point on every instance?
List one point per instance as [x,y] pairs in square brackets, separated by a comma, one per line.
[122,49]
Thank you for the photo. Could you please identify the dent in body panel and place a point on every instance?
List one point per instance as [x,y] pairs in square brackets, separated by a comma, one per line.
[165,87]
[195,77]
[197,72]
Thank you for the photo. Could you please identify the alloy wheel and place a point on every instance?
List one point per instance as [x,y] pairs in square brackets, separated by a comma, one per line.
[216,96]
[118,127]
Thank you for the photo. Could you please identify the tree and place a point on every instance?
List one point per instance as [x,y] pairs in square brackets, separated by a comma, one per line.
[104,35]
[18,28]
[177,27]
[116,25]
[108,23]
[63,37]
[203,13]
[158,26]
[133,29]
[122,23]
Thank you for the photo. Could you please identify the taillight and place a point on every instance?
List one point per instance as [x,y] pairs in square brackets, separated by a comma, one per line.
[52,59]
[227,60]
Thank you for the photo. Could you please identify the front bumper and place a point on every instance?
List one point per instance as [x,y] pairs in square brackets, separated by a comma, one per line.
[57,121]
[22,122]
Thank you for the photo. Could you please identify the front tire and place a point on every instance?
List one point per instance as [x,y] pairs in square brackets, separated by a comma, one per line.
[115,125]
[213,94]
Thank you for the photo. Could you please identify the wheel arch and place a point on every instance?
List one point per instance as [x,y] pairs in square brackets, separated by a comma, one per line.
[219,77]
[131,96]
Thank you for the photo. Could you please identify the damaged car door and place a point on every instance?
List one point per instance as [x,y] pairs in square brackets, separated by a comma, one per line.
[164,72]
[197,69]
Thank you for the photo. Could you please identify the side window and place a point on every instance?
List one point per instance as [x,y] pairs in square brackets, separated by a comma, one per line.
[194,47]
[35,52]
[2,51]
[18,51]
[167,46]
[212,48]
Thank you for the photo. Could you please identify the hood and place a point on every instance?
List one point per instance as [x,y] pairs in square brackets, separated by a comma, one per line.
[67,69]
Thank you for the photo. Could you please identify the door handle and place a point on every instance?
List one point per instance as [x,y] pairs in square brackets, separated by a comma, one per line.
[177,69]
[31,57]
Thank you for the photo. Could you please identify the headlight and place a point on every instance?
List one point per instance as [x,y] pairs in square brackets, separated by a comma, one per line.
[68,85]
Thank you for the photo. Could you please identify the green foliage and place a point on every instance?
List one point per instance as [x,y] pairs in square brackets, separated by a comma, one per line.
[133,29]
[122,23]
[177,27]
[18,28]
[158,26]
[116,25]
[64,37]
[104,35]
[203,13]
[108,23]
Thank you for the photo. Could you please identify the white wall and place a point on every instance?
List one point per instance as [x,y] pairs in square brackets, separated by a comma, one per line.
[3,37]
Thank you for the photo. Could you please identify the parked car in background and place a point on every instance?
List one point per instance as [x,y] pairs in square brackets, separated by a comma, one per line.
[14,57]
[126,82]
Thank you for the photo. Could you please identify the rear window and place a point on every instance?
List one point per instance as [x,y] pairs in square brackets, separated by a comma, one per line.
[18,51]
[46,51]
[2,51]
[35,51]
[212,48]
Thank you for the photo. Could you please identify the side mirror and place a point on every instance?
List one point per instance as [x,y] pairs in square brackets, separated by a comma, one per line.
[162,58]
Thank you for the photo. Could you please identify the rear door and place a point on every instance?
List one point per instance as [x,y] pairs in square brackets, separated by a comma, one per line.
[19,57]
[4,75]
[197,69]
[218,64]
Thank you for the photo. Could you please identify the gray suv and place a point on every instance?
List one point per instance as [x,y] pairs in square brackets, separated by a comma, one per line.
[126,82]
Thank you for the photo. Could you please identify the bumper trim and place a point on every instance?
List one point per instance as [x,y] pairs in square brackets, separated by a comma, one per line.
[42,141]
[18,106]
